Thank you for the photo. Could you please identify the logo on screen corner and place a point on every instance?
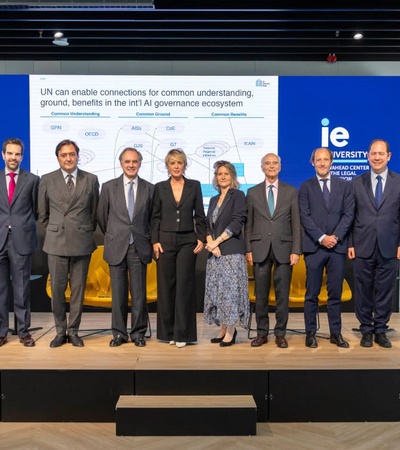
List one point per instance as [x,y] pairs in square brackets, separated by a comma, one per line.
[337,137]
[262,83]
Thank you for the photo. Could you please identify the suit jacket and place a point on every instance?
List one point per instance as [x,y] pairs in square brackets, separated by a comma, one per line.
[114,221]
[69,221]
[21,214]
[376,225]
[317,219]
[282,231]
[231,215]
[186,216]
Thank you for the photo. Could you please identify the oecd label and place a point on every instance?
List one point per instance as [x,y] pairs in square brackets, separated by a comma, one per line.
[338,137]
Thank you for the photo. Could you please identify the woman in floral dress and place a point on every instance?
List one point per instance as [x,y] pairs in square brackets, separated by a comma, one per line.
[226,300]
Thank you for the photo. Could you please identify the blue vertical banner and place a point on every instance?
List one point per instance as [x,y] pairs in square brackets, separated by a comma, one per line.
[14,111]
[342,113]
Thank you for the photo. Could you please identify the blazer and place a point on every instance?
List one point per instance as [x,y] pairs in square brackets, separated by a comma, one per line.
[232,214]
[21,215]
[114,221]
[69,222]
[317,219]
[282,231]
[374,225]
[187,215]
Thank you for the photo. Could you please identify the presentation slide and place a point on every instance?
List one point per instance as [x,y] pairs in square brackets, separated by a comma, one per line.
[210,118]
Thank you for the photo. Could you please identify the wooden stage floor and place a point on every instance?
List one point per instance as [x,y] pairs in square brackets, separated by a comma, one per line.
[97,355]
[297,384]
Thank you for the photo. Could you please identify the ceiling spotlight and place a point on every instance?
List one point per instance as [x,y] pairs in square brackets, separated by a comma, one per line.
[58,34]
[358,36]
[62,42]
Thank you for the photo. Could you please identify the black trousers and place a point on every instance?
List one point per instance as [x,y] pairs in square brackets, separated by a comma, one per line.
[176,299]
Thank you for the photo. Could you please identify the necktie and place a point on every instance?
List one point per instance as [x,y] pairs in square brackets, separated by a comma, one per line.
[271,203]
[70,184]
[131,200]
[378,191]
[11,187]
[131,204]
[325,191]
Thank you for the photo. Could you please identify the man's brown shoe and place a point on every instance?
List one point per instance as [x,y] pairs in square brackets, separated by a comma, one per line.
[27,341]
[260,340]
[281,342]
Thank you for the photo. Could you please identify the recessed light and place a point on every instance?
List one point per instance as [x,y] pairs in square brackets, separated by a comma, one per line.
[358,36]
[63,42]
[58,34]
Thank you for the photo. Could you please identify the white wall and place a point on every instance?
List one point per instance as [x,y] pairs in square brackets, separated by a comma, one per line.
[199,68]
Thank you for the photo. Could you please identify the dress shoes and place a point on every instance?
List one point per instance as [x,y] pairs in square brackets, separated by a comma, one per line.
[75,340]
[382,340]
[27,341]
[58,341]
[281,342]
[366,340]
[311,340]
[229,343]
[338,340]
[217,340]
[3,340]
[140,342]
[260,340]
[117,341]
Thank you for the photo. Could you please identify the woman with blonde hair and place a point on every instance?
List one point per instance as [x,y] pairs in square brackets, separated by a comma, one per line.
[177,235]
[226,300]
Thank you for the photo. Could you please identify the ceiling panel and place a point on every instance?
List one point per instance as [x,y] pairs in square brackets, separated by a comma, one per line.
[198,30]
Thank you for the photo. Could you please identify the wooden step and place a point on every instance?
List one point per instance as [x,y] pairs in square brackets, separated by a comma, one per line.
[194,415]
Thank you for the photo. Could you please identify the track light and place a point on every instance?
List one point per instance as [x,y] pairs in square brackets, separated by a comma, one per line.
[59,39]
[62,42]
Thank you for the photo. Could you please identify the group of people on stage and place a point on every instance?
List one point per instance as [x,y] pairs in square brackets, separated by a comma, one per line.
[326,220]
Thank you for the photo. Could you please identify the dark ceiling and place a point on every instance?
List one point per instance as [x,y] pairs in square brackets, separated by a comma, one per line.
[198,30]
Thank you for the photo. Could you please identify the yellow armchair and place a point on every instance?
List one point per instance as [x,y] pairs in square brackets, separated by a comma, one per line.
[98,284]
[297,289]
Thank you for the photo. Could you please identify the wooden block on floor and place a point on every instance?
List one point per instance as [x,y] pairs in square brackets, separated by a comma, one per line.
[188,415]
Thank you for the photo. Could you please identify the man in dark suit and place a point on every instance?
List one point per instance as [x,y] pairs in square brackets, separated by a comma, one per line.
[326,213]
[68,200]
[18,239]
[375,244]
[273,241]
[123,215]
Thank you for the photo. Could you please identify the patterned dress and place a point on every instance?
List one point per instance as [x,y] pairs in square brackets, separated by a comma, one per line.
[226,299]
